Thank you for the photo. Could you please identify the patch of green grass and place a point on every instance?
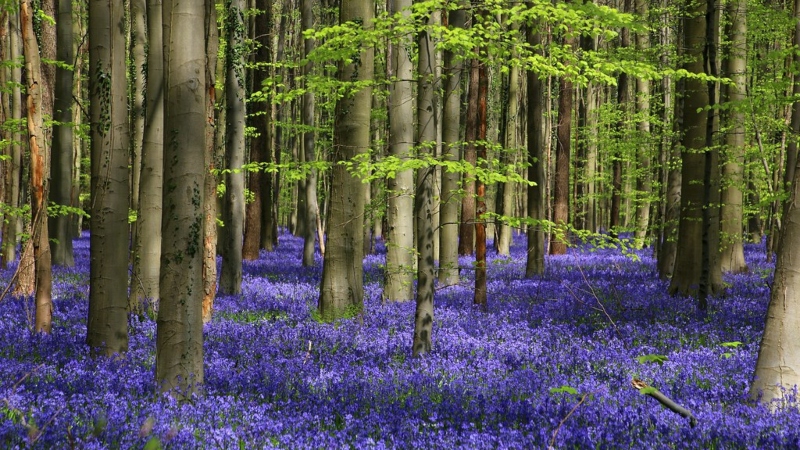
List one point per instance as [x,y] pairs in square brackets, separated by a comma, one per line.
[252,316]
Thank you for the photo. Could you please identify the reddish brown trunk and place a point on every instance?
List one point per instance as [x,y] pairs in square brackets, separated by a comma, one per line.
[480,188]
[466,241]
[558,245]
[38,152]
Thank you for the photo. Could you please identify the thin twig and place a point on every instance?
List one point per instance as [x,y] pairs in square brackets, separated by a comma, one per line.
[560,424]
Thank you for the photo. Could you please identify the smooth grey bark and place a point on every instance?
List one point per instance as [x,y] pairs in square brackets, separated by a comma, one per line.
[778,365]
[506,189]
[147,246]
[107,328]
[14,163]
[342,286]
[233,205]
[731,210]
[451,143]
[137,15]
[591,222]
[399,273]
[310,193]
[534,264]
[670,154]
[61,169]
[179,327]
[644,152]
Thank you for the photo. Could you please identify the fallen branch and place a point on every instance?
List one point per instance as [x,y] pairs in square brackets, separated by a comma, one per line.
[664,400]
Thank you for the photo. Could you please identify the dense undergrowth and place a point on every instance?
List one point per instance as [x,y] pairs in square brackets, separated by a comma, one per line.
[550,363]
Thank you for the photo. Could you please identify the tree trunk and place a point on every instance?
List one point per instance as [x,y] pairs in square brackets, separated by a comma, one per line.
[616,159]
[537,162]
[210,180]
[107,328]
[466,236]
[644,153]
[147,260]
[479,297]
[260,141]
[138,37]
[342,286]
[14,162]
[558,244]
[39,169]
[230,282]
[179,328]
[310,194]
[689,256]
[451,137]
[731,214]
[424,207]
[399,285]
[778,365]
[61,187]
[506,190]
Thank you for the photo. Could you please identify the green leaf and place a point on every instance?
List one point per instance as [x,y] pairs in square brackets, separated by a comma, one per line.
[652,358]
[564,389]
[153,444]
[733,344]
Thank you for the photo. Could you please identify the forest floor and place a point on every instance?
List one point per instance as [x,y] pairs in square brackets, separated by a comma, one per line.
[550,364]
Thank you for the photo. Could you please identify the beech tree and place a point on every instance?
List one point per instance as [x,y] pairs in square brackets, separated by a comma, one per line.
[233,201]
[399,272]
[179,327]
[147,245]
[342,285]
[60,225]
[107,326]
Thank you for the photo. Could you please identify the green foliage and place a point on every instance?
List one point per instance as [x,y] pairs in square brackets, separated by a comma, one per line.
[564,389]
[648,390]
[652,358]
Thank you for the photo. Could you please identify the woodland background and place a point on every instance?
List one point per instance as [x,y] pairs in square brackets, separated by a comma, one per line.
[179,132]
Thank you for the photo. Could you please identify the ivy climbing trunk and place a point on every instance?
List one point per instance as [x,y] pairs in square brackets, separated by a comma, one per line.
[179,327]
[107,328]
[342,286]
[233,201]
